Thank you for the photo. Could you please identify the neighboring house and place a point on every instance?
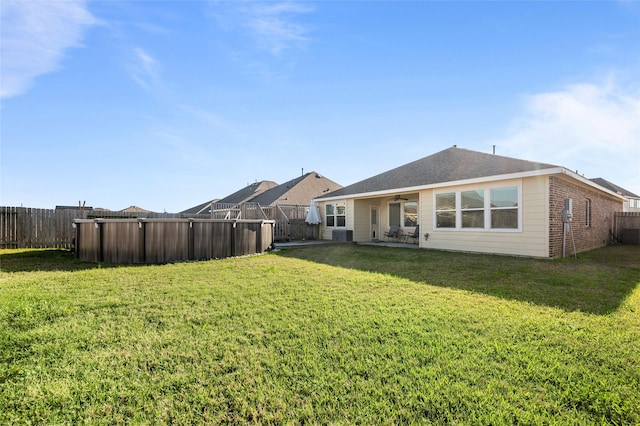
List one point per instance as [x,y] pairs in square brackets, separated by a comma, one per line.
[135,209]
[203,208]
[297,192]
[238,197]
[247,193]
[632,201]
[476,202]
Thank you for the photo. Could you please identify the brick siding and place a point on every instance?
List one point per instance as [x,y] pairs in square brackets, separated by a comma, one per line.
[585,237]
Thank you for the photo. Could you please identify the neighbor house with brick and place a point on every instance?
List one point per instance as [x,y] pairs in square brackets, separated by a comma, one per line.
[464,200]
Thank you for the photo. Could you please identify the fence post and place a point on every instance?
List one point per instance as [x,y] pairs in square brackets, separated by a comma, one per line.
[233,239]
[190,244]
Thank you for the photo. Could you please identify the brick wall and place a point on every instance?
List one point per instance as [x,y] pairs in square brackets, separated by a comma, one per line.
[586,237]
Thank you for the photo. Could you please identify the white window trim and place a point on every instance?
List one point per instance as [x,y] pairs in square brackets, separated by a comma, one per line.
[487,209]
[335,215]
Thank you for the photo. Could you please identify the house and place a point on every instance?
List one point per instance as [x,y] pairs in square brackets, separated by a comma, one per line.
[238,197]
[471,201]
[295,192]
[135,209]
[632,201]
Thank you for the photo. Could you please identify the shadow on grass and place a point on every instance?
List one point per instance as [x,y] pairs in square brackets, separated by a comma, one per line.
[31,260]
[598,282]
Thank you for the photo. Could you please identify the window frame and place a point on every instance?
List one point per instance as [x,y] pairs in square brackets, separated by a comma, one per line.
[335,219]
[486,188]
[407,215]
[587,213]
[482,209]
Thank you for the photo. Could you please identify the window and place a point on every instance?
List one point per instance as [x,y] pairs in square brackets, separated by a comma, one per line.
[504,208]
[472,208]
[335,215]
[394,214]
[341,212]
[446,210]
[330,214]
[410,213]
[587,212]
[479,209]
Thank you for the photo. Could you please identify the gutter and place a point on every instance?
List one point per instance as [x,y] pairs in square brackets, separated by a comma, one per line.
[520,175]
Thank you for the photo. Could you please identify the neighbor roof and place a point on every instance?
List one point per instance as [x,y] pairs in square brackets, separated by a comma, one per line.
[200,208]
[614,188]
[248,192]
[299,191]
[135,209]
[450,165]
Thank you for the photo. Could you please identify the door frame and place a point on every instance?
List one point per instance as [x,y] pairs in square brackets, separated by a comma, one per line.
[374,228]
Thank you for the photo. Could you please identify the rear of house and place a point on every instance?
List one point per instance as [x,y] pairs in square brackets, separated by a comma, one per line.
[470,201]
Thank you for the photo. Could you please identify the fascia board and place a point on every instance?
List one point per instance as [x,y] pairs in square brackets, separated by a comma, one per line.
[520,175]
[591,183]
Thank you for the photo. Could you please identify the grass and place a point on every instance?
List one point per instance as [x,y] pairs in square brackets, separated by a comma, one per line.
[336,334]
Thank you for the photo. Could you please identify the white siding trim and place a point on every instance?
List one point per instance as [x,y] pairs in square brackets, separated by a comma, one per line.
[479,180]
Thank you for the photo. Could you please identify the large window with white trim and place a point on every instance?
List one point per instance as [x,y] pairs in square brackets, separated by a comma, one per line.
[472,208]
[335,215]
[478,209]
[504,208]
[446,210]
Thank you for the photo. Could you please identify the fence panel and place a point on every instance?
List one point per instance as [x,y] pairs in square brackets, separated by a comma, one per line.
[625,220]
[9,227]
[22,227]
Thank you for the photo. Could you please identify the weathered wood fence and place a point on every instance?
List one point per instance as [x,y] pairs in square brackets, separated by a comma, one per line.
[23,227]
[169,240]
[624,220]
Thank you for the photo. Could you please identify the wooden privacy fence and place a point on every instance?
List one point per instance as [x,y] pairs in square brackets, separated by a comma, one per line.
[35,228]
[624,220]
[23,227]
[169,240]
[289,219]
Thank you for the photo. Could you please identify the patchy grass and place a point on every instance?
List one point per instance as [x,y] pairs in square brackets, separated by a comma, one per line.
[332,334]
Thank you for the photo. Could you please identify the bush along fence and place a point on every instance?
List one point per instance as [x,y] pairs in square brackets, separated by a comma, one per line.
[169,240]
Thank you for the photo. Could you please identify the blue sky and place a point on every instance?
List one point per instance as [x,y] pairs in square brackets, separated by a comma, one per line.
[166,105]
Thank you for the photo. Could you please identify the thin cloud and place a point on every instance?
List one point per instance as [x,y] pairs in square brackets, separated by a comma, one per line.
[145,70]
[273,26]
[593,125]
[34,38]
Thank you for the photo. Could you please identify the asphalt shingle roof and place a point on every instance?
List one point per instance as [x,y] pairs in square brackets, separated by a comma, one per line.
[298,191]
[449,165]
[248,192]
[614,188]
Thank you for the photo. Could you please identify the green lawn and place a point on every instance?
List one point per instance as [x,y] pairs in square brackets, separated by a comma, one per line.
[337,334]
